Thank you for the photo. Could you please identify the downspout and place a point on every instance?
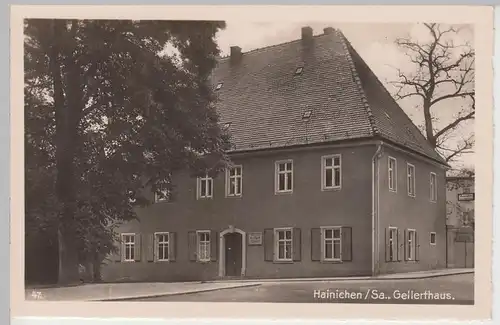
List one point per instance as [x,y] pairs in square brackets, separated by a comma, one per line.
[375,204]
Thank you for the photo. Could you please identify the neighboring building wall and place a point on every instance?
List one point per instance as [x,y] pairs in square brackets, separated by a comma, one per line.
[398,209]
[459,211]
[258,209]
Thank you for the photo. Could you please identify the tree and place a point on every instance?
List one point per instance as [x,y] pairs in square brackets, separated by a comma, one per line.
[443,73]
[109,112]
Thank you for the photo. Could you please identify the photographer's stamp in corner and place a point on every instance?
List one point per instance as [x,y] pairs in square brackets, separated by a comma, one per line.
[184,155]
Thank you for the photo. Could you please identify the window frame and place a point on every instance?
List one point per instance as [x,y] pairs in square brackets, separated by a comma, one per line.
[208,244]
[286,172]
[228,181]
[414,187]
[435,238]
[157,246]
[166,196]
[394,170]
[199,181]
[333,167]
[130,244]
[324,258]
[285,240]
[393,243]
[411,248]
[433,187]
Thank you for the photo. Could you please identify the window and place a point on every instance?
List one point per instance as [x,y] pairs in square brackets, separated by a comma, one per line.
[205,187]
[411,245]
[433,187]
[331,174]
[284,176]
[234,181]
[410,179]
[162,246]
[433,238]
[332,244]
[203,245]
[393,244]
[128,251]
[163,196]
[393,174]
[284,242]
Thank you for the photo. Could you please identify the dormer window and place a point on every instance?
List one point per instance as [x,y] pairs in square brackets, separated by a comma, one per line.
[299,70]
[307,114]
[219,86]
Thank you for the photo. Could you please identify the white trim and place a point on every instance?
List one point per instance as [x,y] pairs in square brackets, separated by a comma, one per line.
[435,238]
[276,244]
[227,183]
[375,207]
[156,246]
[198,232]
[123,246]
[323,239]
[395,256]
[198,187]
[394,174]
[276,176]
[414,194]
[414,244]
[333,167]
[222,251]
[433,188]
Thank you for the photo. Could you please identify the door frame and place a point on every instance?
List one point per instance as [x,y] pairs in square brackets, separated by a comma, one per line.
[222,250]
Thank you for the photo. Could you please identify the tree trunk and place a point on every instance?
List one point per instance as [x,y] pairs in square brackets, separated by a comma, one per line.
[96,268]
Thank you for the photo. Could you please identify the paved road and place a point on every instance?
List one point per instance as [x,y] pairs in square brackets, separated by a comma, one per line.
[454,289]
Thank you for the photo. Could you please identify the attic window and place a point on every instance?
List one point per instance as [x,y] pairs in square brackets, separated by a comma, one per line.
[219,86]
[388,116]
[226,125]
[298,71]
[307,114]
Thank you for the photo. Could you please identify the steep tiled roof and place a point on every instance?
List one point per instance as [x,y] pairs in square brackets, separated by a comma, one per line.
[264,98]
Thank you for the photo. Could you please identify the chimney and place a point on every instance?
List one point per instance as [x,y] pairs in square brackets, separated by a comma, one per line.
[236,54]
[307,34]
[328,30]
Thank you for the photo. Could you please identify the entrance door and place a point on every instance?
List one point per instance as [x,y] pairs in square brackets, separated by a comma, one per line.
[233,254]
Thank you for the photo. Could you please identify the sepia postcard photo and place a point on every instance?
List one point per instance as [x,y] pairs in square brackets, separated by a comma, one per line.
[257,160]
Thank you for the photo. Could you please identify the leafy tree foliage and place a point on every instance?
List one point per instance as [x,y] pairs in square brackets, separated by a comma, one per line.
[113,107]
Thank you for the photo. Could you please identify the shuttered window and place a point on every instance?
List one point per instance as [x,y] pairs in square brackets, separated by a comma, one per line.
[203,246]
[162,246]
[128,247]
[331,244]
[282,245]
[391,244]
[411,245]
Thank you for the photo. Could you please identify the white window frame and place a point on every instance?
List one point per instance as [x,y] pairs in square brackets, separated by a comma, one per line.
[288,174]
[411,244]
[230,177]
[207,244]
[277,242]
[209,184]
[435,238]
[412,192]
[333,167]
[392,174]
[125,245]
[166,246]
[165,198]
[433,187]
[333,240]
[393,243]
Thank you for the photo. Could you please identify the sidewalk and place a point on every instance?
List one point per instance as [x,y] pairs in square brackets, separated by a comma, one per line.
[127,291]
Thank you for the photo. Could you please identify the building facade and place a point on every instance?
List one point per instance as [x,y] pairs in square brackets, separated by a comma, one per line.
[328,177]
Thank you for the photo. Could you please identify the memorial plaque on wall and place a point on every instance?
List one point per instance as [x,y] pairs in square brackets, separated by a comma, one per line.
[254,238]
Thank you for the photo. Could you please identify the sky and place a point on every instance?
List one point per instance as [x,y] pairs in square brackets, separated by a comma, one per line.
[375,44]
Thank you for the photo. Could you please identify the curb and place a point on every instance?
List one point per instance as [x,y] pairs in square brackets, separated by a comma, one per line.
[175,293]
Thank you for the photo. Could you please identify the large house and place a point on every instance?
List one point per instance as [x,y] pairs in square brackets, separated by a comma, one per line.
[329,178]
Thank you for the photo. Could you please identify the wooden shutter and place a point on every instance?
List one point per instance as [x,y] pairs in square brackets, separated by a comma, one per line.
[297,244]
[151,248]
[268,245]
[316,244]
[406,244]
[172,246]
[400,246]
[387,244]
[213,246]
[346,243]
[417,247]
[192,245]
[137,248]
[117,257]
